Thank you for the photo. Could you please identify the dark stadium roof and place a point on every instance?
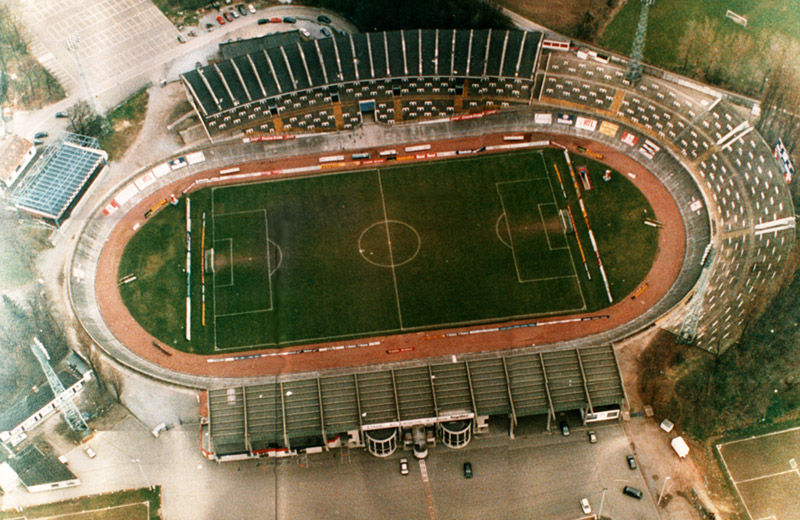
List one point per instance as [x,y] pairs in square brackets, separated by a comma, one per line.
[35,468]
[52,184]
[250,45]
[15,413]
[261,416]
[263,73]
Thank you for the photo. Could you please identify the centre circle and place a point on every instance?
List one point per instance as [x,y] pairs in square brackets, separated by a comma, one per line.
[389,243]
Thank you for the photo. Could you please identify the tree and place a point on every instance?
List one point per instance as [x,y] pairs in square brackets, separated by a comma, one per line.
[83,120]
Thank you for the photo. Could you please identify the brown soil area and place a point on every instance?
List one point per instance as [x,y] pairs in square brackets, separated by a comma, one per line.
[395,348]
[560,15]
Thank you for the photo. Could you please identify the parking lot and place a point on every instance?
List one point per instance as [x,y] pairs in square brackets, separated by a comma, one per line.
[537,475]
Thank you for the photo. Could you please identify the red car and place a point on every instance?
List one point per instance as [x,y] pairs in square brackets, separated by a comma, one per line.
[275,20]
[221,20]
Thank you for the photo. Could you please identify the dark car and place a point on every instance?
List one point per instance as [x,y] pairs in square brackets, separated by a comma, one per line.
[326,32]
[467,470]
[262,21]
[289,19]
[564,429]
[631,461]
[61,115]
[40,135]
[228,16]
[242,9]
[633,492]
[323,19]
[181,38]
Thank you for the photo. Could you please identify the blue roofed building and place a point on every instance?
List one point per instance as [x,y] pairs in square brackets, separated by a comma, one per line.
[57,179]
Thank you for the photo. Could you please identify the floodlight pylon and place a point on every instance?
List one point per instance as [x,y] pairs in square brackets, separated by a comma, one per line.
[634,70]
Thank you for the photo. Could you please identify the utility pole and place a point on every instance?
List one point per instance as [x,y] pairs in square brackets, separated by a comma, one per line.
[634,71]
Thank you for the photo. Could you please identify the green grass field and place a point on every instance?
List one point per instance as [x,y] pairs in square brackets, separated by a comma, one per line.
[670,21]
[383,251]
[136,504]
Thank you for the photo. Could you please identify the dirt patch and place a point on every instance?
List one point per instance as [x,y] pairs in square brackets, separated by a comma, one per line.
[562,15]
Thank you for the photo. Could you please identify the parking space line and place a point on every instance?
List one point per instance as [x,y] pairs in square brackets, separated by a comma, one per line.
[423,470]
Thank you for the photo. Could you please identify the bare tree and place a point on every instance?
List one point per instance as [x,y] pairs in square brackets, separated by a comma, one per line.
[83,120]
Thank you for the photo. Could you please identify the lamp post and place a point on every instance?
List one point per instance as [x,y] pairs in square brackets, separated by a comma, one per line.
[661,495]
[137,462]
[602,501]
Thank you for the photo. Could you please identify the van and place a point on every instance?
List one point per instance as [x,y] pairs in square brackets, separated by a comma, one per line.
[633,492]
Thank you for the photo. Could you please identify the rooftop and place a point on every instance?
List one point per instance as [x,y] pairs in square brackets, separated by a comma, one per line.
[53,183]
[12,150]
[35,467]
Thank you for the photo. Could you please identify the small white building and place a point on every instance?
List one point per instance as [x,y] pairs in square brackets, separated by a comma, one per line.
[15,154]
[40,403]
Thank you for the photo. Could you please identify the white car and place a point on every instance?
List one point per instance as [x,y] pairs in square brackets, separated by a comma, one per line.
[404,466]
[251,8]
[89,452]
[585,506]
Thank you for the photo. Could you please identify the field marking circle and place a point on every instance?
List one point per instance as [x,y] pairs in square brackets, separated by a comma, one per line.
[497,231]
[280,256]
[389,265]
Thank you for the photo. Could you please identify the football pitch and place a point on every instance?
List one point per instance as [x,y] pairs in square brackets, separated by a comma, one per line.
[382,251]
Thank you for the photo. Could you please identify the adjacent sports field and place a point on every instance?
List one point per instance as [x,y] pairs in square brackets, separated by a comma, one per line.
[137,504]
[381,251]
[765,473]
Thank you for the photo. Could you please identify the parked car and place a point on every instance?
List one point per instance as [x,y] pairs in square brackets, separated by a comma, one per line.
[234,13]
[89,452]
[228,16]
[305,32]
[242,9]
[275,19]
[251,8]
[564,428]
[289,19]
[467,470]
[592,437]
[262,21]
[633,492]
[631,461]
[61,115]
[210,26]
[40,135]
[326,32]
[38,142]
[404,466]
[585,506]
[220,20]
[323,19]
[181,38]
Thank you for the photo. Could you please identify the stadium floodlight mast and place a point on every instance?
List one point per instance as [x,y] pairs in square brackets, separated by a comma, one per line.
[72,47]
[634,71]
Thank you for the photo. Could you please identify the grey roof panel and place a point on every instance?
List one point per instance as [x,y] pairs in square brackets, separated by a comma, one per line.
[395,47]
[480,39]
[428,52]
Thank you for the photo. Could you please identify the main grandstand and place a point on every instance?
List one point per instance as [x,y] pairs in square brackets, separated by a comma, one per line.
[735,206]
[328,84]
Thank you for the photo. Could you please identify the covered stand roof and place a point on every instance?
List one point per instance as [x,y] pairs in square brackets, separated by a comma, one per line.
[54,182]
[268,72]
[287,412]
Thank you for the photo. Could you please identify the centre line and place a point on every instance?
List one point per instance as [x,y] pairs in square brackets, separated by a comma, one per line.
[391,255]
